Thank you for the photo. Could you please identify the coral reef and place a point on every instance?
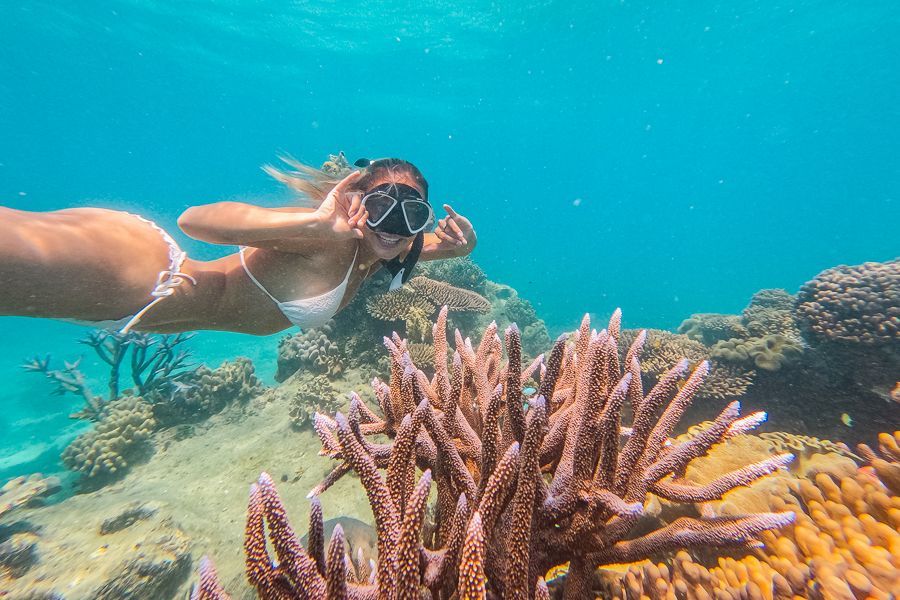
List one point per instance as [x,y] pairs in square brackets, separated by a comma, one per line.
[522,485]
[156,364]
[205,392]
[852,304]
[313,350]
[337,166]
[120,434]
[440,293]
[771,312]
[313,393]
[25,491]
[709,328]
[769,352]
[663,348]
[461,272]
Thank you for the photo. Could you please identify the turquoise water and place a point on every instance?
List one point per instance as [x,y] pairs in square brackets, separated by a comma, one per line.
[668,158]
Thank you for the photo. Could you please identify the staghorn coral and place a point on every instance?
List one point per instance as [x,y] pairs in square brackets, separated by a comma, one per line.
[852,304]
[155,363]
[313,350]
[120,434]
[313,394]
[205,392]
[25,491]
[709,328]
[520,487]
[770,352]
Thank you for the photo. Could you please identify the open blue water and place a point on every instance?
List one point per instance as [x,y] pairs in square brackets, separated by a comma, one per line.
[665,157]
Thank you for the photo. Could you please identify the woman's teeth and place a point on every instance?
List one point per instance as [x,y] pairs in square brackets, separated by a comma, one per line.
[388,238]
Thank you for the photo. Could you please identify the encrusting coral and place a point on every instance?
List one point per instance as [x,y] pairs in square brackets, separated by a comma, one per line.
[709,328]
[122,429]
[769,352]
[858,304]
[523,484]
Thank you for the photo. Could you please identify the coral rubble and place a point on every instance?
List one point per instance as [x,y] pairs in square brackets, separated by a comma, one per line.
[23,491]
[523,484]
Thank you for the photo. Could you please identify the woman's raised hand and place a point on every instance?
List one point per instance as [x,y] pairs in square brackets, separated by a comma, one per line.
[341,213]
[454,228]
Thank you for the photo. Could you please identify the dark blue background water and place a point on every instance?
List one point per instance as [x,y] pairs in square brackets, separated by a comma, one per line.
[667,158]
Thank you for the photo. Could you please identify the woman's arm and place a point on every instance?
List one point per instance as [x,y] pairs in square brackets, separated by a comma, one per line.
[454,236]
[287,229]
[246,224]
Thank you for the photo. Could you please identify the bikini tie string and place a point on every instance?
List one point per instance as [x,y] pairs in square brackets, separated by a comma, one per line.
[166,283]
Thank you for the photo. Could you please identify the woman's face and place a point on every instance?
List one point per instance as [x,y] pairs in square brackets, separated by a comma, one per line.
[387,245]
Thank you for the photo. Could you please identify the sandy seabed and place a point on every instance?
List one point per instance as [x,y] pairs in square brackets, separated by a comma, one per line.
[193,496]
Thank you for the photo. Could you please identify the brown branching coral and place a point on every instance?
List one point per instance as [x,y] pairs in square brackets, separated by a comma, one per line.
[521,485]
[858,304]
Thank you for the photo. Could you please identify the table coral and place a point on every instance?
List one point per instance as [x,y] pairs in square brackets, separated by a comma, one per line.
[852,304]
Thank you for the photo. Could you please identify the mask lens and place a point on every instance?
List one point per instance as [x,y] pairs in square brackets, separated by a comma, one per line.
[418,213]
[378,205]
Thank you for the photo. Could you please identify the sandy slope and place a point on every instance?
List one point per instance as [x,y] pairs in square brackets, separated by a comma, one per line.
[198,487]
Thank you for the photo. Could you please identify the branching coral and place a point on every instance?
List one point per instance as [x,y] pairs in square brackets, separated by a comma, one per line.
[155,363]
[313,350]
[858,304]
[522,485]
[120,433]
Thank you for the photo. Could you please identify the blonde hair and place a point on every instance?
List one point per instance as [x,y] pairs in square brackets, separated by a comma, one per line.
[315,184]
[310,182]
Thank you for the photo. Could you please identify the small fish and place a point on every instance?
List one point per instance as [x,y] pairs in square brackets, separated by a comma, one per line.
[846,420]
[529,391]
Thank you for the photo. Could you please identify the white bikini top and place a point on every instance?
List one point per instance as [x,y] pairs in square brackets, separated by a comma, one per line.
[308,312]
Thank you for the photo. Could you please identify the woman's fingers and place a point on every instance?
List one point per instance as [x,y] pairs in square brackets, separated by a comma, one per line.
[450,211]
[456,231]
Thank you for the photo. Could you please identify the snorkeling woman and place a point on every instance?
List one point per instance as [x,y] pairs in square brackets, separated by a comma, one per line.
[296,266]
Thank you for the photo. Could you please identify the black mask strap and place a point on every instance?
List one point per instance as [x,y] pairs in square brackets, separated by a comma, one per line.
[401,271]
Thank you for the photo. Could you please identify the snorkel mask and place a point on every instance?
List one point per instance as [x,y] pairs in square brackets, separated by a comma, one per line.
[398,209]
